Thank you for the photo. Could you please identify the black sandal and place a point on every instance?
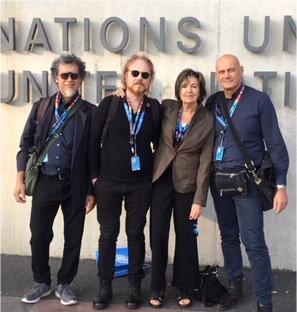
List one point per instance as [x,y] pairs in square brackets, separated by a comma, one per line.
[183,294]
[158,296]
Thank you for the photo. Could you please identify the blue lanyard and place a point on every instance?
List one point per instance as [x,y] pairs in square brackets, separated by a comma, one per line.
[231,111]
[138,121]
[60,118]
[179,129]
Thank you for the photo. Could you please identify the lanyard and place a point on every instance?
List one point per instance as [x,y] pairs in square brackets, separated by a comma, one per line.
[231,111]
[179,129]
[60,118]
[136,125]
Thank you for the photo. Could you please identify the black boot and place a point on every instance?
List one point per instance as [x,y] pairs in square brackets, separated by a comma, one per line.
[100,301]
[231,297]
[264,307]
[134,296]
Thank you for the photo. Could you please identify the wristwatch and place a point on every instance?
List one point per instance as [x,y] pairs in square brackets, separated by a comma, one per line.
[281,186]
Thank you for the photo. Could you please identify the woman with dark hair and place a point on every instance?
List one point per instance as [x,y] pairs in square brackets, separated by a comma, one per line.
[181,176]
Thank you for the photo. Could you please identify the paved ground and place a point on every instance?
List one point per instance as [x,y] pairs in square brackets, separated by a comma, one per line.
[16,280]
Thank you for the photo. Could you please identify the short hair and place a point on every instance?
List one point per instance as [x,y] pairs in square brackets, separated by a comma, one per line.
[185,74]
[131,60]
[68,59]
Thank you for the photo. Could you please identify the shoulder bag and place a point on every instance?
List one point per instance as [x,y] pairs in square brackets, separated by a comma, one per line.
[263,176]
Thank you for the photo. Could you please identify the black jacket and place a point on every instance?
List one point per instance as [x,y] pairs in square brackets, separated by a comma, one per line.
[80,182]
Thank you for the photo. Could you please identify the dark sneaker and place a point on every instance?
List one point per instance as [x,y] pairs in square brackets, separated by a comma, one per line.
[37,292]
[65,294]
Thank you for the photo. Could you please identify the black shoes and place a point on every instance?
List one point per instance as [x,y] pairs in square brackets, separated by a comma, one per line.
[134,296]
[100,301]
[234,293]
[264,307]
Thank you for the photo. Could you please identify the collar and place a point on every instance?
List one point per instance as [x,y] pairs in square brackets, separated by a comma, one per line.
[66,104]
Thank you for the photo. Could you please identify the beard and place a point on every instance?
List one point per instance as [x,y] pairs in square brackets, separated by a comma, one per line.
[69,93]
[137,89]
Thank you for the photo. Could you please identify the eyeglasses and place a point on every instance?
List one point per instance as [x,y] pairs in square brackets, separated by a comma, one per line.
[135,73]
[73,76]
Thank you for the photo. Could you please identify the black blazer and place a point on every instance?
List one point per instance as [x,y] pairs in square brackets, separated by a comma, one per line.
[80,182]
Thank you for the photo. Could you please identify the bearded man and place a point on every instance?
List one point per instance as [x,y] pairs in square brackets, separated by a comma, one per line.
[121,170]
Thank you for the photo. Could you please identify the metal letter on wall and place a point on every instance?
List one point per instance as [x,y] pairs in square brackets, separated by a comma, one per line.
[160,44]
[265,76]
[287,88]
[37,24]
[246,36]
[10,88]
[86,34]
[9,40]
[288,24]
[65,22]
[29,79]
[189,34]
[100,86]
[103,32]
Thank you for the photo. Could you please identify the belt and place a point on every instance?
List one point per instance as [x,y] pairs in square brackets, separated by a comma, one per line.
[60,177]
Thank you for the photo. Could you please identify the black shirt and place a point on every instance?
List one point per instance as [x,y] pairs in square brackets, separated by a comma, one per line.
[113,161]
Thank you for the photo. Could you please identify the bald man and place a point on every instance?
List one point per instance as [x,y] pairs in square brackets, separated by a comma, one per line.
[240,216]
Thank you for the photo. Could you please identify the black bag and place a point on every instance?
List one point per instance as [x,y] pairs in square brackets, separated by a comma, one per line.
[210,289]
[231,183]
[264,179]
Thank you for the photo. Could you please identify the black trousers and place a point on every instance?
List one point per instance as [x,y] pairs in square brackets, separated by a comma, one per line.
[51,193]
[109,196]
[166,200]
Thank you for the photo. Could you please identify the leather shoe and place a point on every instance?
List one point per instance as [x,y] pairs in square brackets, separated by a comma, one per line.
[233,294]
[264,307]
[134,297]
[101,300]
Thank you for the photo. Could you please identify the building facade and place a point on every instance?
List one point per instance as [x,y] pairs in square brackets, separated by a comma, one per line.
[175,35]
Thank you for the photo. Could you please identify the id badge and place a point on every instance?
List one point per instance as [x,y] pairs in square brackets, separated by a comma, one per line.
[220,152]
[135,163]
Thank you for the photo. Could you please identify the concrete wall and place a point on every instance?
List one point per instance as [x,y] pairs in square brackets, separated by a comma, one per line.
[220,28]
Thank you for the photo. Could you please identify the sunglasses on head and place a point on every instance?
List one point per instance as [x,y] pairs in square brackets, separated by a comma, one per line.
[135,73]
[73,76]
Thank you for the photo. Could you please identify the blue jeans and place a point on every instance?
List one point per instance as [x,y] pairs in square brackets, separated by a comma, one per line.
[241,218]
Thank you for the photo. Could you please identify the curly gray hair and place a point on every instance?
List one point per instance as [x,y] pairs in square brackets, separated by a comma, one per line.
[68,59]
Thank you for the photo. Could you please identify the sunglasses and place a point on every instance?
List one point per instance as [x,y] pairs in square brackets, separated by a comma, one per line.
[135,73]
[73,76]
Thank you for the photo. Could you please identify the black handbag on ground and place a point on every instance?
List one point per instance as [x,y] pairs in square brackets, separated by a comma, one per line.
[210,289]
[263,176]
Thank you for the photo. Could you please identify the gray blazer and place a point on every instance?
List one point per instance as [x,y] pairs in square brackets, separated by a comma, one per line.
[191,161]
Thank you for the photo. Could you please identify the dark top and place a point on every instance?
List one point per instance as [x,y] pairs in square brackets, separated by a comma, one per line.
[80,182]
[58,159]
[255,121]
[113,161]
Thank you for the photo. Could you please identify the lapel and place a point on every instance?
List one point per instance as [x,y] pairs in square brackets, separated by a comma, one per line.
[172,113]
[79,124]
[191,124]
[190,129]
